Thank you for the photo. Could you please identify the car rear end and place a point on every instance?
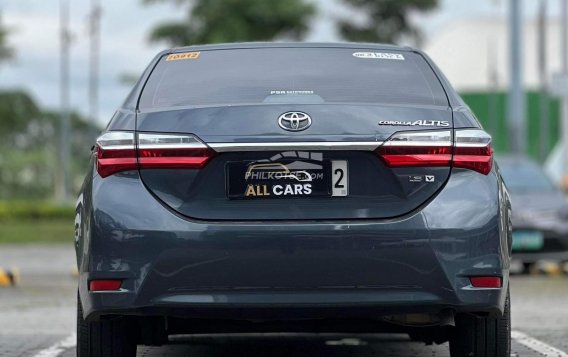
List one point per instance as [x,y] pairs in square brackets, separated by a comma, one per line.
[293,188]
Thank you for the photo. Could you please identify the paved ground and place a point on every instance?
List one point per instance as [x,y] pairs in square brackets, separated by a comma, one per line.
[37,320]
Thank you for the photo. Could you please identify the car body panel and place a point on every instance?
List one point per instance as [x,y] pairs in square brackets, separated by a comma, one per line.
[232,264]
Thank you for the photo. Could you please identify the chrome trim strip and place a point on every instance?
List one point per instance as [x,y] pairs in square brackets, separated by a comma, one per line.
[418,143]
[116,147]
[196,145]
[298,145]
[121,290]
[471,287]
[117,140]
[471,145]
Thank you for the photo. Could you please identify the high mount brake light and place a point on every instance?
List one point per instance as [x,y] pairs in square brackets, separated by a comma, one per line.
[116,152]
[470,149]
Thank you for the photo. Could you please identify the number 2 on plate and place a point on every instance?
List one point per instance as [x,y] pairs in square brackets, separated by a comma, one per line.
[339,178]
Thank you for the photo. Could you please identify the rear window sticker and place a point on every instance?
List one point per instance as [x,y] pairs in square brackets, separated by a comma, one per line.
[183,56]
[285,92]
[379,55]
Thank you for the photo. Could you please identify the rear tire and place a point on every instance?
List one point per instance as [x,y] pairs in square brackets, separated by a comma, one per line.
[105,338]
[476,336]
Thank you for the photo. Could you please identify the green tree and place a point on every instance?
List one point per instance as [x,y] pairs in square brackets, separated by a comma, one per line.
[22,132]
[28,147]
[17,109]
[386,20]
[215,21]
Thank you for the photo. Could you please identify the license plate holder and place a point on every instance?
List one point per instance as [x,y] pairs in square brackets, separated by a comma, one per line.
[286,179]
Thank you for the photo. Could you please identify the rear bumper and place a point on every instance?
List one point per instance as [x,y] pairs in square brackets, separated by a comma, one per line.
[373,307]
[292,270]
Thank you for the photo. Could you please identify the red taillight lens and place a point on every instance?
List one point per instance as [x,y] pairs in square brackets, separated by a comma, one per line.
[115,152]
[157,151]
[473,150]
[105,285]
[486,281]
[425,148]
[470,149]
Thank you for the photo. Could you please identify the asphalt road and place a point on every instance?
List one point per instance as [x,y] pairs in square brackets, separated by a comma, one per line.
[37,320]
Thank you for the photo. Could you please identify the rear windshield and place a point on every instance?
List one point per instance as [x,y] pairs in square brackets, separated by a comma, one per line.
[291,75]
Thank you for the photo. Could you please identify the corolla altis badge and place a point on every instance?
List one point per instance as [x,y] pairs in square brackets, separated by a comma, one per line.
[416,123]
[294,121]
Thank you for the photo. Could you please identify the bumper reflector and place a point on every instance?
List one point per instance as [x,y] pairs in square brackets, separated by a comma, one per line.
[485,281]
[104,285]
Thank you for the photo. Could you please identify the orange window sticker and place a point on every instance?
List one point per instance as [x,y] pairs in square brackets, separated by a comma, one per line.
[183,56]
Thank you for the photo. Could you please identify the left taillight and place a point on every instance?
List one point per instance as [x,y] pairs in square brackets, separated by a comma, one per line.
[115,152]
[123,151]
[170,151]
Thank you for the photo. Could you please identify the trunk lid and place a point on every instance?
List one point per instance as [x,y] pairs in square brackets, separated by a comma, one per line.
[251,145]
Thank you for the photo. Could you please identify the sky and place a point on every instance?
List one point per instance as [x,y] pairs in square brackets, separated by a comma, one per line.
[125,49]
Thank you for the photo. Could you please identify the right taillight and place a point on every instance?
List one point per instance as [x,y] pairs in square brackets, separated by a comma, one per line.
[472,150]
[118,151]
[417,148]
[469,148]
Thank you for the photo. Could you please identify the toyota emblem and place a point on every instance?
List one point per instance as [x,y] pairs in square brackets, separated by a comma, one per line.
[294,121]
